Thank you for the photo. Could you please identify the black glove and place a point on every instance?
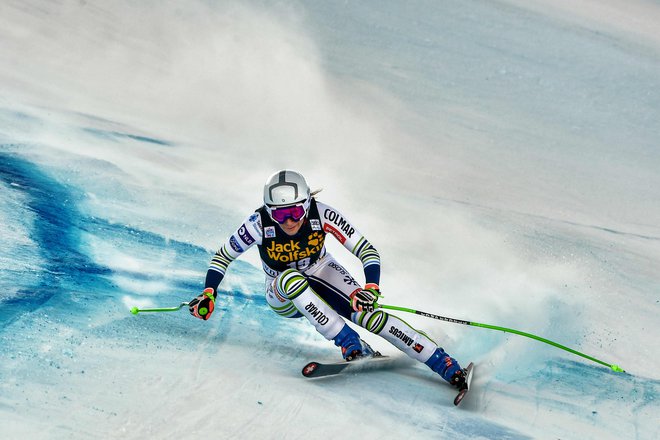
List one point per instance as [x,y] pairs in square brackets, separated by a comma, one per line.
[202,306]
[365,300]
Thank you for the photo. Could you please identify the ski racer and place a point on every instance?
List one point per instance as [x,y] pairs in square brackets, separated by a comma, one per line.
[304,280]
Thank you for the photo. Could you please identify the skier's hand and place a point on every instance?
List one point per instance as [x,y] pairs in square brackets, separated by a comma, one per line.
[365,300]
[202,306]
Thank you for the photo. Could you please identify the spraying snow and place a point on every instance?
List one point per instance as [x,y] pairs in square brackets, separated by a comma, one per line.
[501,156]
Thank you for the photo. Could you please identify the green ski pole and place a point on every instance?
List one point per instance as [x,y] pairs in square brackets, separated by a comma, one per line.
[506,330]
[135,310]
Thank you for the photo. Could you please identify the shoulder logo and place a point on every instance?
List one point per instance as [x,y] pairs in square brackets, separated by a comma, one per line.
[245,235]
[269,231]
[254,217]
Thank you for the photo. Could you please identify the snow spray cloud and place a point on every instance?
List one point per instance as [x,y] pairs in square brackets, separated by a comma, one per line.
[232,93]
[242,88]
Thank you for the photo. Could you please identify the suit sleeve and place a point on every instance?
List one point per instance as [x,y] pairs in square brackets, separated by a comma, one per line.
[336,224]
[246,236]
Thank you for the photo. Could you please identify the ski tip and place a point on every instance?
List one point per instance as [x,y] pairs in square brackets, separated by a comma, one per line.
[460,396]
[309,369]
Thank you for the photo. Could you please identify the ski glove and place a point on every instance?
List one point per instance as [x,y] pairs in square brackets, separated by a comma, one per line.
[364,300]
[202,306]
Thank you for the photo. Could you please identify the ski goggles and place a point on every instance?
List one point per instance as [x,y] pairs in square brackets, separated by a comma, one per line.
[280,215]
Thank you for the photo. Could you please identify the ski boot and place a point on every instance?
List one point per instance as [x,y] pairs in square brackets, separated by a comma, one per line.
[458,379]
[352,347]
[447,367]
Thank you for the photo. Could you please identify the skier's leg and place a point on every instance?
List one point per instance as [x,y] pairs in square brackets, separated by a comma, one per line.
[280,304]
[332,282]
[412,342]
[291,288]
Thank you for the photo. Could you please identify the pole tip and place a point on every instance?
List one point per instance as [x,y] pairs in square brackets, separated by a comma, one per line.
[135,310]
[617,369]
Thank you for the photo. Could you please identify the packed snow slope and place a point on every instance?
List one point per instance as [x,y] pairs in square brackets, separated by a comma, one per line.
[503,156]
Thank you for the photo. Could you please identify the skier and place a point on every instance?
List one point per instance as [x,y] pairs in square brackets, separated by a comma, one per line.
[303,279]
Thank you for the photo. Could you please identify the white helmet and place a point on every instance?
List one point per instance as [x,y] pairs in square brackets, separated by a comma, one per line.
[286,187]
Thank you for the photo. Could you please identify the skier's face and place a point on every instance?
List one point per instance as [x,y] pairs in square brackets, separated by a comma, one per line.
[291,227]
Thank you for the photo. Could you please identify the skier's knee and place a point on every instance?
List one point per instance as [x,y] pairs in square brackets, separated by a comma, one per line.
[373,321]
[280,304]
[291,283]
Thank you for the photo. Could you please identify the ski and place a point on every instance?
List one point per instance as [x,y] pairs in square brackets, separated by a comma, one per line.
[321,369]
[464,390]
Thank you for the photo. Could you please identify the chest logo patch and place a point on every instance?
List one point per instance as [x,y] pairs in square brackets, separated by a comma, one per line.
[296,250]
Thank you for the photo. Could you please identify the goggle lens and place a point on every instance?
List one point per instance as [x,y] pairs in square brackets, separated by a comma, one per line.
[293,212]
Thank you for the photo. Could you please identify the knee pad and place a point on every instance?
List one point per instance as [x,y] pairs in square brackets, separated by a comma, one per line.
[290,284]
[279,304]
[373,321]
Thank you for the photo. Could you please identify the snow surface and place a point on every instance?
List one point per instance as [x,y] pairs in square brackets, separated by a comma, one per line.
[503,157]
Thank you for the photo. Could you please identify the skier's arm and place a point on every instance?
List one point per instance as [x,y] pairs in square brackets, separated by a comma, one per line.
[370,259]
[202,306]
[344,231]
[246,236]
[218,266]
[333,222]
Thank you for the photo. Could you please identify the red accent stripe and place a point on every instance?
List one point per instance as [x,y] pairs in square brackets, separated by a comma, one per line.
[338,235]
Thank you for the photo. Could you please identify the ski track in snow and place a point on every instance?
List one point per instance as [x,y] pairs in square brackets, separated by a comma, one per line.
[88,233]
[58,333]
